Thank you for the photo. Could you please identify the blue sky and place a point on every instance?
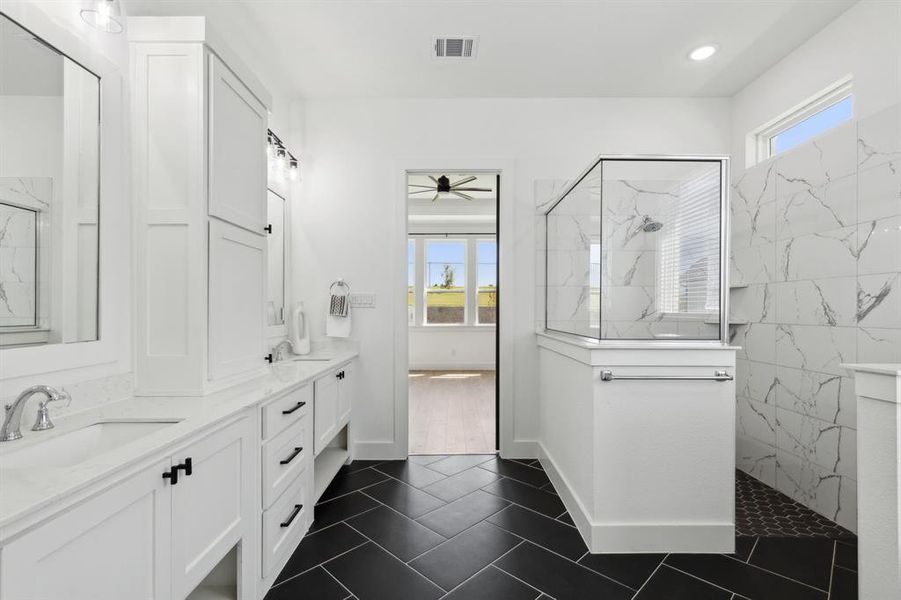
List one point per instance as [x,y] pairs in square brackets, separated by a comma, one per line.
[813,125]
[454,253]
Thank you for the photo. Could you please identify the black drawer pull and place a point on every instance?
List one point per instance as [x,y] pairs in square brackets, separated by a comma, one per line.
[294,513]
[292,457]
[297,406]
[171,475]
[187,466]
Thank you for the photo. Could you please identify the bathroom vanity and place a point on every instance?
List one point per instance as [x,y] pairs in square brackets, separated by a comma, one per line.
[176,498]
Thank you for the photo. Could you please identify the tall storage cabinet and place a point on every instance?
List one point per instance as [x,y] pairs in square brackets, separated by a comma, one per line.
[199,175]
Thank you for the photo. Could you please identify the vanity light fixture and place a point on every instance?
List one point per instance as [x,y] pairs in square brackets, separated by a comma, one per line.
[280,158]
[702,52]
[105,16]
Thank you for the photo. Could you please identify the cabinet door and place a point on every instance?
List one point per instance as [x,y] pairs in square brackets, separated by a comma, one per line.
[345,394]
[113,542]
[237,144]
[212,506]
[325,411]
[237,299]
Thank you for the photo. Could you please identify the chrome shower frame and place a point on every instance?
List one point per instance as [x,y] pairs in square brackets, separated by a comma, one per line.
[724,163]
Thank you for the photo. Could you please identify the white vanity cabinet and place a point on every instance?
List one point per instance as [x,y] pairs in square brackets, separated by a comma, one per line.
[199,122]
[212,502]
[118,540]
[333,401]
[153,535]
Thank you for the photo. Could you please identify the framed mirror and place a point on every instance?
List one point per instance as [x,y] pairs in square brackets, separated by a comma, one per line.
[49,193]
[275,307]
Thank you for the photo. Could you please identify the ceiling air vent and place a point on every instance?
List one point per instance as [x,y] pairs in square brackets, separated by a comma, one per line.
[458,46]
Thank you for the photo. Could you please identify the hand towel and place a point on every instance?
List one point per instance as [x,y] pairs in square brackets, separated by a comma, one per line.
[338,326]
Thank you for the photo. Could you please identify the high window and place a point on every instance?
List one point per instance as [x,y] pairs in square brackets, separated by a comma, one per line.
[830,108]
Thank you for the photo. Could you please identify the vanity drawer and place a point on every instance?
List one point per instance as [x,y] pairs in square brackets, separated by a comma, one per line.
[286,409]
[285,522]
[284,457]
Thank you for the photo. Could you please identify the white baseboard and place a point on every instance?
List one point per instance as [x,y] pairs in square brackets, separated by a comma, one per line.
[520,449]
[452,366]
[637,537]
[378,451]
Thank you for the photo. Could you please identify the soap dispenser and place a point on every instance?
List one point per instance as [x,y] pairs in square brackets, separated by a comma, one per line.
[300,331]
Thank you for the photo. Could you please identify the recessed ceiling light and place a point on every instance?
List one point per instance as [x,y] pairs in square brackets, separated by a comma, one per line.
[702,52]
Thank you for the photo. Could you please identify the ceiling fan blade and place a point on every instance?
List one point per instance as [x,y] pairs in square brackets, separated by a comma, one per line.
[464,180]
[464,196]
[436,197]
[431,187]
[433,179]
[423,191]
[469,189]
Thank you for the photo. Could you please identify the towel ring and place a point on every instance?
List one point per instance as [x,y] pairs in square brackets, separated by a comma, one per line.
[339,283]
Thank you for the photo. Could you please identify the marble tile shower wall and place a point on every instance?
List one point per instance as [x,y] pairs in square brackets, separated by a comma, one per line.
[816,273]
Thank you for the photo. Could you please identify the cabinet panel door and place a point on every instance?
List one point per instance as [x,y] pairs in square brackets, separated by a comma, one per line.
[345,394]
[325,411]
[114,542]
[212,507]
[237,144]
[237,290]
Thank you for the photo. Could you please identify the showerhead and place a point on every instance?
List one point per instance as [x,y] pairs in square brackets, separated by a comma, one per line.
[649,225]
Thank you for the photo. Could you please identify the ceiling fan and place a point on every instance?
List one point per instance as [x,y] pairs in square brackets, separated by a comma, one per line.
[444,186]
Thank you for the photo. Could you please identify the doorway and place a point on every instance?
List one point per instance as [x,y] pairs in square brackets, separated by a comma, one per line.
[452,312]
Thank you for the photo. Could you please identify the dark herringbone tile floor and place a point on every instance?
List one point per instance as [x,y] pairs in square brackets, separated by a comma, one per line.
[479,527]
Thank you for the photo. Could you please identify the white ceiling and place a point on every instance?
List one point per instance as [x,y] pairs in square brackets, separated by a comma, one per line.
[527,48]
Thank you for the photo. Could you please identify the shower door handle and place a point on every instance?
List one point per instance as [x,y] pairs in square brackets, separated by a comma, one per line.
[717,376]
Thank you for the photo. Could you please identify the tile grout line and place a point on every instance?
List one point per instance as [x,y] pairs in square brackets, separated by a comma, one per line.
[490,564]
[358,489]
[753,548]
[330,574]
[394,556]
[700,579]
[305,571]
[771,573]
[832,570]
[450,539]
[519,580]
[329,526]
[654,572]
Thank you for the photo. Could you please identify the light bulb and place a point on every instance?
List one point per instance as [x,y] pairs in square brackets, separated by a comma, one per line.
[293,169]
[702,52]
[281,160]
[104,16]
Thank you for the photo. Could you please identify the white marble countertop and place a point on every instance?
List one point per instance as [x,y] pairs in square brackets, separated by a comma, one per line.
[25,491]
[892,369]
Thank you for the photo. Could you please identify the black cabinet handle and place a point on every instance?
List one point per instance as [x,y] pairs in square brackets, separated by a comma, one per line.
[297,406]
[268,228]
[171,475]
[186,466]
[268,358]
[294,513]
[291,457]
[340,375]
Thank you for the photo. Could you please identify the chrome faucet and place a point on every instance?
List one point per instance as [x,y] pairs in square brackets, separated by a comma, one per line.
[9,431]
[279,350]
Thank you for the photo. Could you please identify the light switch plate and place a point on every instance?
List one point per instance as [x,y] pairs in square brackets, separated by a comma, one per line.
[362,300]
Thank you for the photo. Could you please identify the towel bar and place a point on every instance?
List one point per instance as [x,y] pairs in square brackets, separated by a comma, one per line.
[717,376]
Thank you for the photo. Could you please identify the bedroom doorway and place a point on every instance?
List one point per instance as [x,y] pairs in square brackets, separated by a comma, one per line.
[452,312]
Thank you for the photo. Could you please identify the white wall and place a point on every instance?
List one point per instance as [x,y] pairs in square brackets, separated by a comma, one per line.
[353,151]
[439,348]
[864,42]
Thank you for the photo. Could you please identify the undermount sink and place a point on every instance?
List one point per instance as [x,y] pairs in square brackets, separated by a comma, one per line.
[79,445]
[313,358]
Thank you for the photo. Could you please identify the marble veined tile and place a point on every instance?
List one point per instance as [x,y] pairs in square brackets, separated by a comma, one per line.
[639,198]
[33,192]
[567,303]
[568,267]
[827,397]
[818,255]
[757,342]
[756,420]
[571,232]
[879,300]
[628,303]
[755,303]
[18,264]
[878,345]
[546,192]
[753,264]
[828,493]
[826,158]
[755,187]
[756,459]
[817,209]
[629,267]
[879,138]
[751,227]
[817,302]
[756,381]
[815,347]
[879,191]
[879,246]
[828,445]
